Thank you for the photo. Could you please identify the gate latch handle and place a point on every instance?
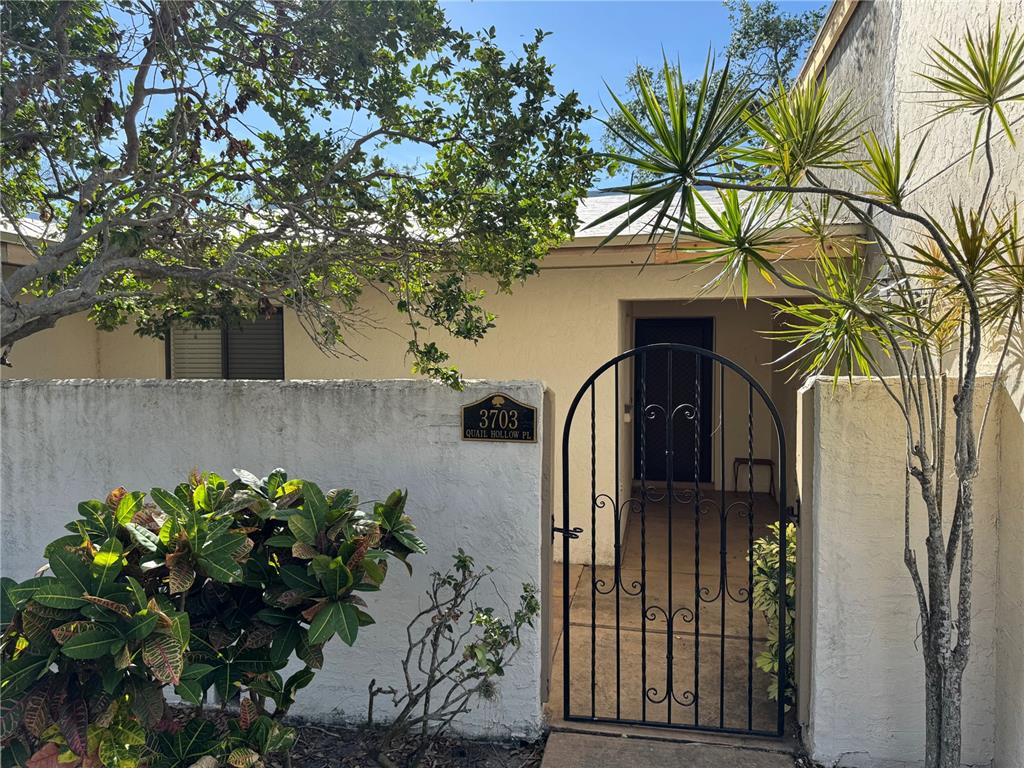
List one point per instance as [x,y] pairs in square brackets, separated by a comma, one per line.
[569,533]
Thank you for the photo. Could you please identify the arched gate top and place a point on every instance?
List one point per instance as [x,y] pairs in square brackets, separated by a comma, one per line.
[700,351]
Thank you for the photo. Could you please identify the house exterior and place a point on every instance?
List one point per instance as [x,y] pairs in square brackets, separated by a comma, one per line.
[581,310]
[858,671]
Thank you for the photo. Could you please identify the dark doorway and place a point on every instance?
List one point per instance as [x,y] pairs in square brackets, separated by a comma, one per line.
[690,452]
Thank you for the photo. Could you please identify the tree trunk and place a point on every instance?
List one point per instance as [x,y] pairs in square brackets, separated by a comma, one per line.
[933,709]
[952,692]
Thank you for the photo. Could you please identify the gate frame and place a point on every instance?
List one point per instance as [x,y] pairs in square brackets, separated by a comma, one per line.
[567,532]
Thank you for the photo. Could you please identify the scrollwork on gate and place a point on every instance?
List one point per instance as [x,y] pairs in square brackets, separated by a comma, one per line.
[601,501]
[652,693]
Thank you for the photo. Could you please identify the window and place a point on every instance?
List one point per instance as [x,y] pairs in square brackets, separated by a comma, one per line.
[252,350]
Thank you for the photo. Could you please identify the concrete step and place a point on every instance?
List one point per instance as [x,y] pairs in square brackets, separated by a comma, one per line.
[584,750]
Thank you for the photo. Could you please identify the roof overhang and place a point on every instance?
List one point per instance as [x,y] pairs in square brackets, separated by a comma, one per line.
[637,250]
[829,34]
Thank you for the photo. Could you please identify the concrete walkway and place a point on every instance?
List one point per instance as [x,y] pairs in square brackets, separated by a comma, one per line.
[578,750]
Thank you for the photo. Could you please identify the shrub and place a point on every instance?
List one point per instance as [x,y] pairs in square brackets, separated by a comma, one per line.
[215,585]
[766,599]
[456,649]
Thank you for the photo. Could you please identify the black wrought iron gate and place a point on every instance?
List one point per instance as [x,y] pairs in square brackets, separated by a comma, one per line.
[667,628]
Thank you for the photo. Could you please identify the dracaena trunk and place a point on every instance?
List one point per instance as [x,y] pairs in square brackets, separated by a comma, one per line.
[952,693]
[933,710]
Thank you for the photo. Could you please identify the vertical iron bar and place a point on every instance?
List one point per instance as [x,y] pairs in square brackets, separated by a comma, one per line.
[593,556]
[643,535]
[750,557]
[723,566]
[669,468]
[566,430]
[783,572]
[696,542]
[618,556]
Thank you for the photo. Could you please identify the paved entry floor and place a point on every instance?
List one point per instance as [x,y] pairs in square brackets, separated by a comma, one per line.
[576,750]
[610,638]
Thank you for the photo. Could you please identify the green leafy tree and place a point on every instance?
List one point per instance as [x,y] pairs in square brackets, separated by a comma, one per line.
[199,161]
[765,45]
[919,314]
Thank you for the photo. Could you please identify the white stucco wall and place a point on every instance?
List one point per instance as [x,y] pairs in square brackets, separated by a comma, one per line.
[863,677]
[65,441]
[878,59]
[1009,727]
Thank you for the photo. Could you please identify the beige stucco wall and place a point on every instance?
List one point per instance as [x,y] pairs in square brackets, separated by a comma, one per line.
[70,348]
[863,679]
[75,349]
[559,327]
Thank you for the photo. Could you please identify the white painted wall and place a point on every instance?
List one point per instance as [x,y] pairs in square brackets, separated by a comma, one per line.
[65,441]
[861,669]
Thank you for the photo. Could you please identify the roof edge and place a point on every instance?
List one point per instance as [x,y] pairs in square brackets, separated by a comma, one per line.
[844,229]
[830,32]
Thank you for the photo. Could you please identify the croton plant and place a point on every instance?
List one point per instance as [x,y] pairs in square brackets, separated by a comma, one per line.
[207,591]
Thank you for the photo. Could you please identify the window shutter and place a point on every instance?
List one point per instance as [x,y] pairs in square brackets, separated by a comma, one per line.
[252,350]
[256,349]
[196,353]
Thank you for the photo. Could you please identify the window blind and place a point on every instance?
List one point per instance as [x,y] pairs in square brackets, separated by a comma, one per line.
[252,350]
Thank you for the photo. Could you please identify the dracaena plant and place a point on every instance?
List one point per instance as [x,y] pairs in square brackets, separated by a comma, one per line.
[214,586]
[940,286]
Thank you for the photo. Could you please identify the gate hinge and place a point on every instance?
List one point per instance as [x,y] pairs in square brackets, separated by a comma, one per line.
[793,513]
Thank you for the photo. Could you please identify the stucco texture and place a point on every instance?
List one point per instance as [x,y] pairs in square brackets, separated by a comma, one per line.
[878,60]
[863,675]
[1009,726]
[65,441]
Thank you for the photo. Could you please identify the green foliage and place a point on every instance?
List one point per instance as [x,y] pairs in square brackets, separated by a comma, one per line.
[214,585]
[765,44]
[883,169]
[767,563]
[742,236]
[798,129]
[845,326]
[199,162]
[682,142]
[982,80]
[767,159]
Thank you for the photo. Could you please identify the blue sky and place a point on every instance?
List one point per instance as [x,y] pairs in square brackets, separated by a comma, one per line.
[596,42]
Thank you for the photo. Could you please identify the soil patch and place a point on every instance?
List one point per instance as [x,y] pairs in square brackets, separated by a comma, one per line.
[321,747]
